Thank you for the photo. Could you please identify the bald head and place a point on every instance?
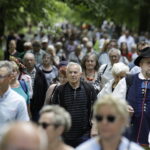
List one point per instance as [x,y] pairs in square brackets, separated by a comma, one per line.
[23,136]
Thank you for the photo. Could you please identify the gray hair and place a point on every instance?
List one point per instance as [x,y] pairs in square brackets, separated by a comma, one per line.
[28,54]
[119,67]
[8,65]
[118,104]
[114,50]
[61,116]
[74,64]
[8,131]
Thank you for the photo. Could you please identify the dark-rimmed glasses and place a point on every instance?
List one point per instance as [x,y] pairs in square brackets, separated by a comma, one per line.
[108,118]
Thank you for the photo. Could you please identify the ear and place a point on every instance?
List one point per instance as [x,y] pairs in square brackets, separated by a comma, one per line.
[60,130]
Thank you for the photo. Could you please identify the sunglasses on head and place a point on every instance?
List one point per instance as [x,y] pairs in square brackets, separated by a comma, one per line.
[45,125]
[109,118]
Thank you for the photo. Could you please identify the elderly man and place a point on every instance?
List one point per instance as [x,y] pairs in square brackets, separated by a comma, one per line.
[105,70]
[23,136]
[77,98]
[37,51]
[136,90]
[39,84]
[12,105]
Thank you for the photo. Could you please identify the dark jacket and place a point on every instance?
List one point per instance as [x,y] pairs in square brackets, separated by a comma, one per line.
[39,92]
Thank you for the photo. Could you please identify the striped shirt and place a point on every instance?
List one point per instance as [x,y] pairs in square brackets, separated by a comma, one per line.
[76,102]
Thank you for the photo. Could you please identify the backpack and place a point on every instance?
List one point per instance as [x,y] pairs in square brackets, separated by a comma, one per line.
[24,86]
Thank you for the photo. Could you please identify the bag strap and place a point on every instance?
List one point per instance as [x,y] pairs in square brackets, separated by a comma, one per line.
[24,86]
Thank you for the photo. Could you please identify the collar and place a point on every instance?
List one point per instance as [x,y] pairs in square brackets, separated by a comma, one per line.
[5,94]
[74,88]
[141,76]
[32,72]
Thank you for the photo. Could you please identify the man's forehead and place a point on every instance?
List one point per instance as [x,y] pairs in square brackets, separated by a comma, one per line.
[114,53]
[73,68]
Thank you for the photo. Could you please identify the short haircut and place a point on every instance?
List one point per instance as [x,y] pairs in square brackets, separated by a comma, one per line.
[114,50]
[61,116]
[8,65]
[74,64]
[36,44]
[119,67]
[28,54]
[47,54]
[118,104]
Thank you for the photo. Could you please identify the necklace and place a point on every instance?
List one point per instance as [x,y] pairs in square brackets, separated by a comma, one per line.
[90,77]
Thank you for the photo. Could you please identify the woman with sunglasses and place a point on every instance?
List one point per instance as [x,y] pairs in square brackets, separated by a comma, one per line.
[55,120]
[111,116]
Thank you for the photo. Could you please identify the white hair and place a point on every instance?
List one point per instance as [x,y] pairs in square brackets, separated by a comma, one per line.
[119,67]
[74,64]
[8,65]
[114,50]
[28,54]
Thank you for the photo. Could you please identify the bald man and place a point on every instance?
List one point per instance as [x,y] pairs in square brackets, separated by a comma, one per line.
[23,136]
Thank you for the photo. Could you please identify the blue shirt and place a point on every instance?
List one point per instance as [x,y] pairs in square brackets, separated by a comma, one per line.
[12,107]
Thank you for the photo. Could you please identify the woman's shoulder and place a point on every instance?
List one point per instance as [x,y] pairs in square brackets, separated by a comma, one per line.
[130,145]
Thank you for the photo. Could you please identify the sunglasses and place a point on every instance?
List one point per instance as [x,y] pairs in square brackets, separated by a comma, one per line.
[45,125]
[109,118]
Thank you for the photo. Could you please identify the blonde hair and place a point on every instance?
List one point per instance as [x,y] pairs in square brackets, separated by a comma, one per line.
[118,104]
[15,66]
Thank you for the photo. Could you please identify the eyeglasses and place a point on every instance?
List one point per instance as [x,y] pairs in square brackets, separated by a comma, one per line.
[109,118]
[45,125]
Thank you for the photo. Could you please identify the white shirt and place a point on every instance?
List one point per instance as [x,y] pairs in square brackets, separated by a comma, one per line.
[12,107]
[129,40]
[93,144]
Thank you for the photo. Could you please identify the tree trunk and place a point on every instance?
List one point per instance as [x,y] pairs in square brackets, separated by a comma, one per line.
[144,21]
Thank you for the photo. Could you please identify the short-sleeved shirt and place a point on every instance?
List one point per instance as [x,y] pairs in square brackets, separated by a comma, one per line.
[12,107]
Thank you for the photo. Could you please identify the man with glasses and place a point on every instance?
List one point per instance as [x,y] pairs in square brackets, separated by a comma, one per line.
[12,105]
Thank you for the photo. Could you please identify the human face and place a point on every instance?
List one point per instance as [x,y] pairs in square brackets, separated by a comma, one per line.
[119,76]
[111,125]
[145,66]
[90,63]
[14,74]
[73,74]
[114,57]
[12,45]
[62,79]
[51,129]
[47,60]
[29,62]
[5,78]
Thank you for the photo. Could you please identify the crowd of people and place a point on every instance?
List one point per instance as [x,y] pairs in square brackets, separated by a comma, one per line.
[49,85]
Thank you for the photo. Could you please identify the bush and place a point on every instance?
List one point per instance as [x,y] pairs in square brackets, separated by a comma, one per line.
[1,54]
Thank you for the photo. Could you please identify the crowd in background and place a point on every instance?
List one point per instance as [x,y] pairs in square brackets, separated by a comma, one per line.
[97,58]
